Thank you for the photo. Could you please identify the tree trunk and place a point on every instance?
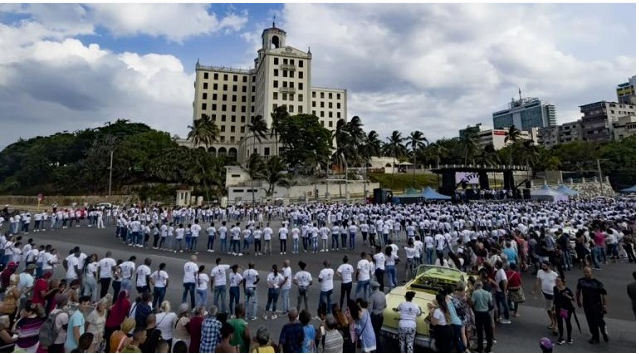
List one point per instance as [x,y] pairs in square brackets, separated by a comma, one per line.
[414,167]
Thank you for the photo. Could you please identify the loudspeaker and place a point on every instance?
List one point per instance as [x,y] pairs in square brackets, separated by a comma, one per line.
[527,193]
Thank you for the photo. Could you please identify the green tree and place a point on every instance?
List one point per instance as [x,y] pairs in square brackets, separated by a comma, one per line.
[256,168]
[394,147]
[203,132]
[302,136]
[279,115]
[416,141]
[468,145]
[488,156]
[513,136]
[258,128]
[275,174]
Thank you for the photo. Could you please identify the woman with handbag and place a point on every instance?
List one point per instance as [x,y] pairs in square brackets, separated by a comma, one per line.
[564,309]
[516,293]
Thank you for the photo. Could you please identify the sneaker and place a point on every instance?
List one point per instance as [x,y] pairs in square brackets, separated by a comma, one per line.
[265,317]
[504,321]
[240,254]
[253,318]
[561,342]
[570,341]
[274,317]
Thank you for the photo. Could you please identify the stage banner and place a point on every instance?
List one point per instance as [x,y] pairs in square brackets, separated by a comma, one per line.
[467,177]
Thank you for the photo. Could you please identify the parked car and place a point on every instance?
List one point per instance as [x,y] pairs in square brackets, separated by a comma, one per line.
[428,282]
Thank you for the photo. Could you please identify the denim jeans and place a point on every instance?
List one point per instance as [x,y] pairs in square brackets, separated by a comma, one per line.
[501,305]
[273,295]
[158,296]
[250,302]
[202,297]
[302,296]
[223,245]
[210,244]
[194,244]
[234,297]
[362,289]
[126,285]
[334,241]
[296,245]
[178,244]
[345,289]
[351,241]
[325,297]
[189,288]
[567,259]
[285,293]
[220,292]
[391,276]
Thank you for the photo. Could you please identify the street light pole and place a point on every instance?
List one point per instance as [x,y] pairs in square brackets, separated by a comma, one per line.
[110,172]
[600,177]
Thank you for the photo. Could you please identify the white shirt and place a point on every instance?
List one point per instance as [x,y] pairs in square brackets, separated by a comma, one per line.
[346,271]
[235,279]
[408,313]
[218,273]
[202,281]
[159,278]
[190,270]
[142,273]
[303,278]
[127,269]
[326,276]
[72,262]
[106,267]
[91,269]
[363,266]
[274,280]
[547,281]
[283,233]
[499,276]
[379,259]
[287,274]
[250,277]
[195,230]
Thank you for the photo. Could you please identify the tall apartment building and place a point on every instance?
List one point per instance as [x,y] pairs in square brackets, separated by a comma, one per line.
[281,76]
[626,92]
[598,119]
[560,134]
[525,113]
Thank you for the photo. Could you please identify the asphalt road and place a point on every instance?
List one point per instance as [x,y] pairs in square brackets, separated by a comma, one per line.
[520,336]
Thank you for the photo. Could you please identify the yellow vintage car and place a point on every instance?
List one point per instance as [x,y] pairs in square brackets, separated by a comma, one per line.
[429,280]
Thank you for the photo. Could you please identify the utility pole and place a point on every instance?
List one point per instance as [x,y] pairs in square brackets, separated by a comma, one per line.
[365,168]
[346,179]
[110,172]
[600,177]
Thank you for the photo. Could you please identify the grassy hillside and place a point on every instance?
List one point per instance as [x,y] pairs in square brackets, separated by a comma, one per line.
[402,181]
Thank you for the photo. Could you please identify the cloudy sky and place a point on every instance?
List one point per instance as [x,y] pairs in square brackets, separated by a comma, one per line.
[436,68]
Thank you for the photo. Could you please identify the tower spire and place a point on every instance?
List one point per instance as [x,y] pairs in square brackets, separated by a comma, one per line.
[520,93]
[273,21]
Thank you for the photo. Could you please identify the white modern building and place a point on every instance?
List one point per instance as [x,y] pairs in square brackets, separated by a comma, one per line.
[281,76]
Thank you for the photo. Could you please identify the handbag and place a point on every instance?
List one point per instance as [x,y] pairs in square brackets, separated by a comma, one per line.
[563,313]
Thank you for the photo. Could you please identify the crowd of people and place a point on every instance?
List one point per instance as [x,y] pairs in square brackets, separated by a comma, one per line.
[93,307]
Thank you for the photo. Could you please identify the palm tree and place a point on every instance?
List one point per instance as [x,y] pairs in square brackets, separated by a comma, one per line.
[371,147]
[468,144]
[274,175]
[258,128]
[277,116]
[416,140]
[438,150]
[203,132]
[513,136]
[256,169]
[488,155]
[395,148]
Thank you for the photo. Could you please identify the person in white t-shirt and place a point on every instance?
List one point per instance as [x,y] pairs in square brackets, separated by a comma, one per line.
[202,288]
[218,285]
[345,272]
[274,280]
[105,273]
[295,235]
[127,268]
[303,280]
[72,266]
[251,278]
[408,313]
[235,279]
[268,234]
[142,277]
[363,277]
[546,282]
[188,281]
[283,232]
[89,282]
[326,276]
[160,280]
[286,287]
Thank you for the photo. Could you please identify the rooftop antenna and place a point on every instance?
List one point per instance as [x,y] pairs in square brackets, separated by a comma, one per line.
[273,21]
[520,93]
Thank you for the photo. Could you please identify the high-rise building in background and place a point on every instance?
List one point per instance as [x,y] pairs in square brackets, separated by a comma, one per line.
[626,92]
[599,117]
[524,114]
[281,76]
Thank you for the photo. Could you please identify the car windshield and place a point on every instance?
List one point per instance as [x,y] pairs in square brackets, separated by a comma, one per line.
[436,279]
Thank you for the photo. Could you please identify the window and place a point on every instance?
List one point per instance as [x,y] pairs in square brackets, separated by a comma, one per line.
[290,84]
[300,75]
[322,114]
[284,84]
[222,128]
[204,96]
[234,98]
[330,114]
[244,89]
[321,94]
[242,129]
[225,87]
[232,129]
[205,85]
[233,119]
[276,72]
[224,107]
[291,97]
[339,105]
[314,113]
[322,122]
[313,94]
[243,120]
[215,76]
[214,107]
[233,108]
[339,115]
[244,79]
[203,116]
[232,140]
[299,109]
[214,97]
[215,86]
[300,86]
[234,78]
[276,61]
[221,138]
[301,63]
[226,77]
[224,97]
[206,75]
[223,117]
[274,95]
[234,88]
[267,151]
[285,61]
[275,83]
[284,73]
[243,109]
[290,108]
[330,123]
[300,97]
[253,89]
[252,109]
[313,104]
[204,106]
[330,95]
[214,117]
[339,96]
[284,97]
[253,99]
[330,105]
[274,107]
[322,104]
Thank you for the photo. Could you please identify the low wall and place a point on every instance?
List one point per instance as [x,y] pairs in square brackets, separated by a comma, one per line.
[62,200]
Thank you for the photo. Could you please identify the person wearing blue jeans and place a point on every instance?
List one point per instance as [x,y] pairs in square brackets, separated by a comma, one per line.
[250,302]
[326,279]
[234,296]
[219,293]
[389,265]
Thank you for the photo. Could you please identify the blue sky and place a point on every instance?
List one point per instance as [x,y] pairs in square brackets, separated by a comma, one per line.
[432,67]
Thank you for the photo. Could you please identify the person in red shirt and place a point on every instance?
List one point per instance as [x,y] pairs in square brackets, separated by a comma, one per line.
[516,294]
[194,327]
[119,312]
[5,276]
[41,290]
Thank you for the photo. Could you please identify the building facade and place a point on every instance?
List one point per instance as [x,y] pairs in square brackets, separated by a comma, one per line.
[563,133]
[624,127]
[524,114]
[281,76]
[626,92]
[598,119]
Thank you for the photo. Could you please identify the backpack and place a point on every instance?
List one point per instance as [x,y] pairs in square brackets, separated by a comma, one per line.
[48,331]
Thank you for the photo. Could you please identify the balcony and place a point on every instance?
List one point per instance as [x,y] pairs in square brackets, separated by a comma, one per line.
[290,67]
[289,90]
